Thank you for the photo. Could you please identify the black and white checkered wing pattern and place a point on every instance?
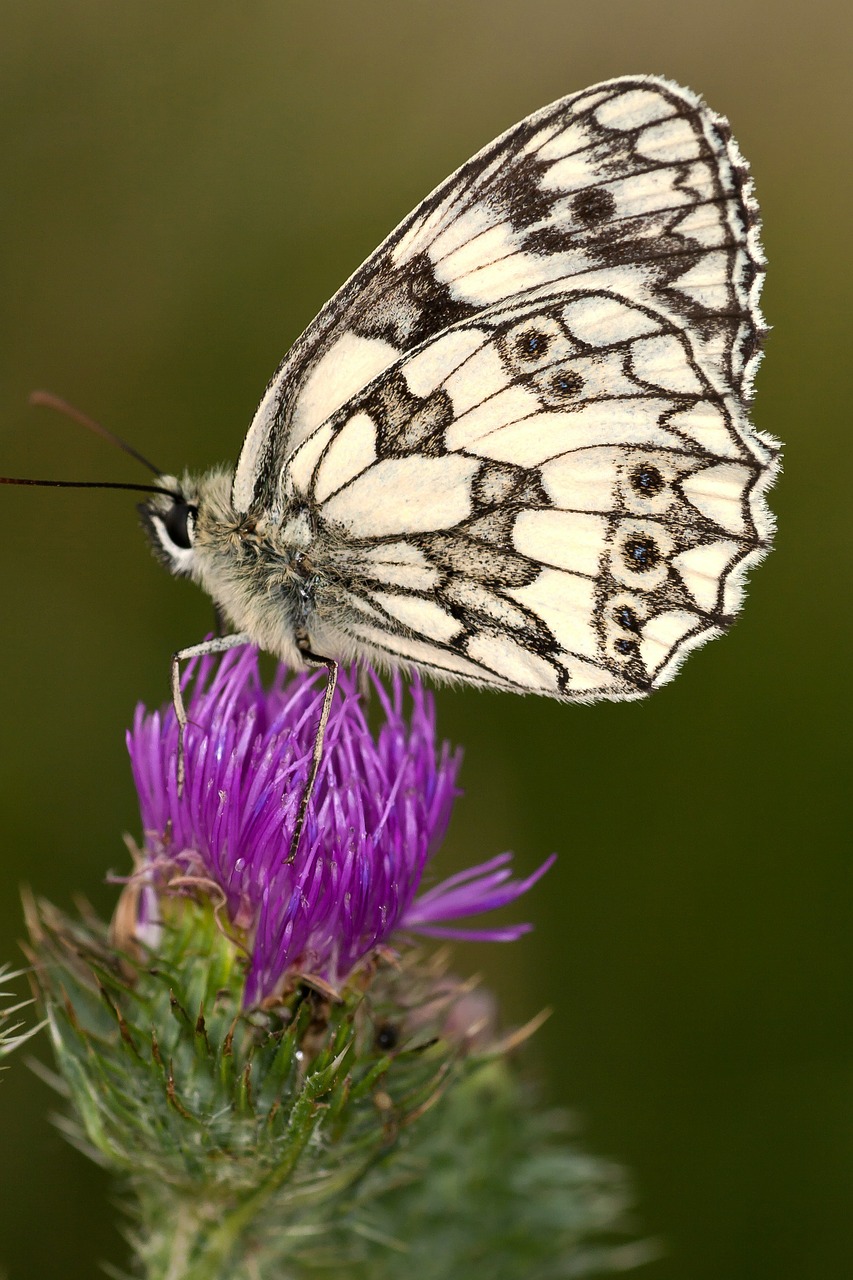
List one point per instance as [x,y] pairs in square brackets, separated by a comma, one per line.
[633,184]
[551,497]
[520,429]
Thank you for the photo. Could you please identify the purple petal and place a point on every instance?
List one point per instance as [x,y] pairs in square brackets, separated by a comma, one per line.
[451,899]
[379,809]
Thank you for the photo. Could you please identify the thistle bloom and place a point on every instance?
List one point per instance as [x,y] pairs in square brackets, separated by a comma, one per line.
[380,806]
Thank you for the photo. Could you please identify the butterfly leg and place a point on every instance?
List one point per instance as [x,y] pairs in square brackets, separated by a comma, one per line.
[317,752]
[219,644]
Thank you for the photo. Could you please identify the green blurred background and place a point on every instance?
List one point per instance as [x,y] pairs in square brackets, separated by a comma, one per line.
[182,187]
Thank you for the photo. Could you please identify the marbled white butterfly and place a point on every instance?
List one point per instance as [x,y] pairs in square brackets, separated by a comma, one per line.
[513,449]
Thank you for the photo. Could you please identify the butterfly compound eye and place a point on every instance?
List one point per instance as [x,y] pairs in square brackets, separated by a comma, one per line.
[178,523]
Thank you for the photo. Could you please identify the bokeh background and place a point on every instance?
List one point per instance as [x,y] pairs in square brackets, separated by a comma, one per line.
[182,188]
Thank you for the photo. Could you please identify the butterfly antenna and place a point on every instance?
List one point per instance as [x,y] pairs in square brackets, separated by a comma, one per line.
[92,484]
[47,400]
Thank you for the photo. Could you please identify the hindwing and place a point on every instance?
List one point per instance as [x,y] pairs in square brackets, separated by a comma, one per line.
[552,497]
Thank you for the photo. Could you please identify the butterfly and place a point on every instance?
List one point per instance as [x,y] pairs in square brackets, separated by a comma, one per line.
[513,450]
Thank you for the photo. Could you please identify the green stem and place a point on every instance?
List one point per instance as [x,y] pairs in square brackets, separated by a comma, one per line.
[220,1244]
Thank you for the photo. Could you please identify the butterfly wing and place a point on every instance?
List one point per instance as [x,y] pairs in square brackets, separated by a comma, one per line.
[551,497]
[632,182]
[520,429]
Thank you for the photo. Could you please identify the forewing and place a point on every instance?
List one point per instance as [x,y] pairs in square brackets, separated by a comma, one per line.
[632,186]
[554,496]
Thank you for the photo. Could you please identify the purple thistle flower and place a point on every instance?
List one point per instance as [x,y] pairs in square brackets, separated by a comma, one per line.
[380,806]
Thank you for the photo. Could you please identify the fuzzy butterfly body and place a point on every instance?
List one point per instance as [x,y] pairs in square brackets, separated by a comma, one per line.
[514,449]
